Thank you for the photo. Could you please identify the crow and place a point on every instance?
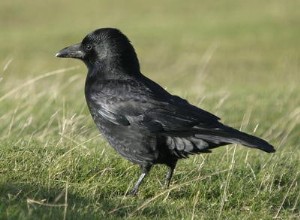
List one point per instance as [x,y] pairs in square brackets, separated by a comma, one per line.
[142,121]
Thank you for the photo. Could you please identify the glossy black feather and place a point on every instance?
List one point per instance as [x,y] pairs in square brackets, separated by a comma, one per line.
[142,121]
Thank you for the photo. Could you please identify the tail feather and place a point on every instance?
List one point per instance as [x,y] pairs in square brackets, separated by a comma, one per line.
[230,135]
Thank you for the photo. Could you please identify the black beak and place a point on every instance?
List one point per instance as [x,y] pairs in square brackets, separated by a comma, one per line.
[73,51]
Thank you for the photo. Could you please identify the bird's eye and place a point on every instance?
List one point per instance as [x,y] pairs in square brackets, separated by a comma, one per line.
[88,47]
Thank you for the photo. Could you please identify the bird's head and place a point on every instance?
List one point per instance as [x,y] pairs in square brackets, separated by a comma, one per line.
[107,49]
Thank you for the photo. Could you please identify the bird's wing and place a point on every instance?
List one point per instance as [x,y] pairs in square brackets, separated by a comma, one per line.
[178,115]
[175,120]
[159,115]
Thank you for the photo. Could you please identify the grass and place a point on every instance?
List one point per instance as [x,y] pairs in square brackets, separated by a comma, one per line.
[237,59]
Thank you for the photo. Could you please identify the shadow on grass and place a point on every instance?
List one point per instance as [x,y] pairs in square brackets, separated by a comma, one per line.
[25,201]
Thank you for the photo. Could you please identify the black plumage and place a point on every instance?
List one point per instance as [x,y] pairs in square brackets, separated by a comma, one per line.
[142,121]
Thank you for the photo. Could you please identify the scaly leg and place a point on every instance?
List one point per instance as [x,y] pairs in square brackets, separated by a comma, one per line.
[169,174]
[145,170]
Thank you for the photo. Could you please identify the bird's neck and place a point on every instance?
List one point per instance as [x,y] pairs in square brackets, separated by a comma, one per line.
[114,67]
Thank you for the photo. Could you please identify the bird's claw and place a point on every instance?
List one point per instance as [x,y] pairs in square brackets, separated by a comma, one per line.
[132,192]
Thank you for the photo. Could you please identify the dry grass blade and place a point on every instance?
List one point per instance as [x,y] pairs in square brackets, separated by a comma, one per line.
[286,195]
[7,64]
[42,203]
[32,81]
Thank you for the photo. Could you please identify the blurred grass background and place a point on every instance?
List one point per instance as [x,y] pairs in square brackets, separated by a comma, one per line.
[237,59]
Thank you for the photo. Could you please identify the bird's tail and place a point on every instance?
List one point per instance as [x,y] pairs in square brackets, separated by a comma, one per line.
[229,135]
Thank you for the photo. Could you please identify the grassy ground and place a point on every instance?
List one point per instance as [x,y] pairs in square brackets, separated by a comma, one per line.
[237,59]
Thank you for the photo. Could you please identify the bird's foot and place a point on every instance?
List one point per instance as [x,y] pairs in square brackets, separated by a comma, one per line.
[132,192]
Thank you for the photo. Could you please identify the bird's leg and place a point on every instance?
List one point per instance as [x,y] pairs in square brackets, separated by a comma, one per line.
[169,174]
[145,171]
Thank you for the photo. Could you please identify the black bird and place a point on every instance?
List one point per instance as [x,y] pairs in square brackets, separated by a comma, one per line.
[142,121]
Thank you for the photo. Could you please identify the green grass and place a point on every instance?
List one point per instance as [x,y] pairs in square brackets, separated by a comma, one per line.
[237,59]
